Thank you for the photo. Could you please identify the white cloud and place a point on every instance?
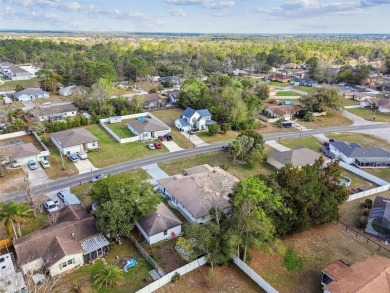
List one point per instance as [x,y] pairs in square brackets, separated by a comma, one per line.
[177,12]
[203,3]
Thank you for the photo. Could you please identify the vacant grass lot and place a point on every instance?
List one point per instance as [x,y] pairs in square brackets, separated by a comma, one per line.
[309,142]
[9,85]
[368,114]
[360,138]
[286,93]
[281,84]
[135,279]
[169,116]
[333,118]
[239,170]
[307,89]
[349,102]
[112,152]
[10,107]
[207,137]
[121,129]
[318,247]
[53,98]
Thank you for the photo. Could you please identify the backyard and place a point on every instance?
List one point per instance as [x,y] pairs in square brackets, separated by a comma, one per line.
[368,114]
[112,152]
[121,129]
[307,89]
[280,84]
[9,85]
[135,279]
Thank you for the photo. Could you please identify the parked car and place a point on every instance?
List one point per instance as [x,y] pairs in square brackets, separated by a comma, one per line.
[44,163]
[51,206]
[82,155]
[151,146]
[73,158]
[98,177]
[61,194]
[225,148]
[168,137]
[157,145]
[31,164]
[161,138]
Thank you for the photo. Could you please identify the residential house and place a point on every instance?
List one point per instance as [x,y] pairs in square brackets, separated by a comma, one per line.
[74,140]
[11,281]
[194,119]
[307,82]
[384,105]
[173,96]
[174,79]
[66,91]
[148,128]
[30,94]
[378,221]
[280,78]
[152,101]
[19,154]
[369,102]
[160,225]
[286,112]
[239,72]
[192,194]
[370,275]
[73,241]
[14,72]
[56,112]
[385,86]
[359,96]
[362,157]
[298,157]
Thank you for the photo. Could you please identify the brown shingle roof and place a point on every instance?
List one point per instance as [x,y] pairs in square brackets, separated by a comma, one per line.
[385,103]
[367,276]
[299,156]
[194,198]
[21,151]
[59,248]
[147,125]
[73,137]
[151,97]
[281,110]
[160,220]
[74,224]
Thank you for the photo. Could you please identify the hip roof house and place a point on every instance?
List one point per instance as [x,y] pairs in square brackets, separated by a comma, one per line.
[148,128]
[298,157]
[74,140]
[30,94]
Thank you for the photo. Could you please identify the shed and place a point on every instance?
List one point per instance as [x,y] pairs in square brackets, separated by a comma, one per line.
[115,119]
[7,100]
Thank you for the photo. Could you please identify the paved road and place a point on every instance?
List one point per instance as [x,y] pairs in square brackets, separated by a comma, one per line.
[126,166]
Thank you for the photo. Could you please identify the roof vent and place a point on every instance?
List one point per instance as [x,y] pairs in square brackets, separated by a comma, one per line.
[72,234]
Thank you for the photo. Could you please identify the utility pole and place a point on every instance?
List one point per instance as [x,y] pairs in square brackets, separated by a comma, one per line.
[62,159]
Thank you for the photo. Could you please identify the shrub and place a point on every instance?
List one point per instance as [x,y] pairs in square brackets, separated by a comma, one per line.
[224,166]
[367,203]
[225,127]
[292,261]
[175,277]
[308,116]
[361,223]
[213,129]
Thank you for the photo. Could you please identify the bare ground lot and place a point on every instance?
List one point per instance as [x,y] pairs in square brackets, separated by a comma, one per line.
[13,180]
[332,118]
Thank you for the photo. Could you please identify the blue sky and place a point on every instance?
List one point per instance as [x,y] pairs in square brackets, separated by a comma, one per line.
[200,16]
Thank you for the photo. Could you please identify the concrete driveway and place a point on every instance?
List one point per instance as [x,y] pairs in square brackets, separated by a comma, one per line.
[196,140]
[171,146]
[36,177]
[156,172]
[277,146]
[85,166]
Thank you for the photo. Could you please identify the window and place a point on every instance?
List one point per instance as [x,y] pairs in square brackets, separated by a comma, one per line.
[70,261]
[165,232]
[66,263]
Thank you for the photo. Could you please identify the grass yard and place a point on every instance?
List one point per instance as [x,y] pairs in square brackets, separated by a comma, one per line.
[13,180]
[357,181]
[207,137]
[383,173]
[286,94]
[112,152]
[307,89]
[120,92]
[281,84]
[309,142]
[168,117]
[349,102]
[10,107]
[229,279]
[135,279]
[239,170]
[368,114]
[360,138]
[34,223]
[56,170]
[121,129]
[317,248]
[9,85]
[53,98]
[332,118]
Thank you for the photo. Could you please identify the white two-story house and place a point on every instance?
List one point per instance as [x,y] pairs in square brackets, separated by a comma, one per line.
[194,119]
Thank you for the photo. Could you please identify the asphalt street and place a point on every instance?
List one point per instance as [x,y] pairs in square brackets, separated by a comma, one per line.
[131,165]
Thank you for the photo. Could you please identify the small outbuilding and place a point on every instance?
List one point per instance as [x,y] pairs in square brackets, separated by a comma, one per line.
[115,119]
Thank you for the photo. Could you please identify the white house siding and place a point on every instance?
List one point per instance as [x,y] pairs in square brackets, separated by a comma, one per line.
[160,236]
[24,161]
[181,127]
[92,145]
[160,133]
[56,269]
[383,110]
[63,115]
[25,97]
[33,265]
[341,156]
[274,163]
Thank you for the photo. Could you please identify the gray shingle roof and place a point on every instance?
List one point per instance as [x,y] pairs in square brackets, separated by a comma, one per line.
[147,125]
[43,111]
[73,137]
[30,91]
[21,151]
[354,150]
[300,156]
[159,221]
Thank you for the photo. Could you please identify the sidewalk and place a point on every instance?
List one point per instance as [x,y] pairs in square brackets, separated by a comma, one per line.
[277,146]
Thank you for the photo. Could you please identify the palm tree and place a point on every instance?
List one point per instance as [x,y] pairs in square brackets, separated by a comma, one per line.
[108,276]
[14,213]
[235,149]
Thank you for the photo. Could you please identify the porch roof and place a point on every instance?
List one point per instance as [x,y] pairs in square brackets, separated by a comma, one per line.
[94,243]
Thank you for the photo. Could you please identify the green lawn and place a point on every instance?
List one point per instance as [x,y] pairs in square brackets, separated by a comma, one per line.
[169,116]
[112,152]
[360,138]
[218,158]
[281,84]
[135,279]
[349,102]
[383,173]
[121,129]
[332,118]
[309,142]
[286,93]
[307,89]
[34,223]
[10,84]
[207,137]
[368,114]
[357,181]
[56,170]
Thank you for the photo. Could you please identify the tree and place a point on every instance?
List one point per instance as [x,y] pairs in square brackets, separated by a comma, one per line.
[262,91]
[387,66]
[49,80]
[110,275]
[246,143]
[121,201]
[321,98]
[14,214]
[225,127]
[308,116]
[235,149]
[314,67]
[18,88]
[214,129]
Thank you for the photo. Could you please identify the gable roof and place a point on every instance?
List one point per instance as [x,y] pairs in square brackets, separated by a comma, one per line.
[196,199]
[30,91]
[370,275]
[21,151]
[384,103]
[189,112]
[74,224]
[281,110]
[47,111]
[159,221]
[300,156]
[147,125]
[60,247]
[183,122]
[73,137]
[354,150]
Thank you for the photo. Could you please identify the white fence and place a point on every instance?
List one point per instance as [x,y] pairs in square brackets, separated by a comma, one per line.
[287,97]
[13,134]
[368,192]
[254,276]
[363,174]
[168,277]
[103,122]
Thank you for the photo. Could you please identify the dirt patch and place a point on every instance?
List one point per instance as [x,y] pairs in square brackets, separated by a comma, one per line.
[13,180]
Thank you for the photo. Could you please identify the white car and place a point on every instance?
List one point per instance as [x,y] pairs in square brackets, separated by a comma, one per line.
[82,155]
[151,146]
[61,194]
[31,164]
[50,206]
[44,163]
